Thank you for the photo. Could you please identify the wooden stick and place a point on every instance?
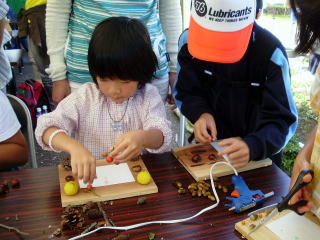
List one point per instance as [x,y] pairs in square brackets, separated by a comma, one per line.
[13,228]
[105,217]
[92,225]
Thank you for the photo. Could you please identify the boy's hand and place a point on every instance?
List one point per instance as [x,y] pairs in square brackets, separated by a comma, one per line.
[300,164]
[201,127]
[128,146]
[83,164]
[237,151]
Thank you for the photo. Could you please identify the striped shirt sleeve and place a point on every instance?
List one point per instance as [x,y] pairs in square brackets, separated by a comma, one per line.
[4,8]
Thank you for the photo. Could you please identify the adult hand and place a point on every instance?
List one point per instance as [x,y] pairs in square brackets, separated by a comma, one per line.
[202,126]
[128,146]
[60,90]
[237,151]
[170,98]
[301,163]
[83,164]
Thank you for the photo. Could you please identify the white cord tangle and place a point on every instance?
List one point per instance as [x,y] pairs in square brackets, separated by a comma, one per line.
[168,221]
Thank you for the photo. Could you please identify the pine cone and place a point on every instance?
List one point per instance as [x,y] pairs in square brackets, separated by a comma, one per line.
[94,214]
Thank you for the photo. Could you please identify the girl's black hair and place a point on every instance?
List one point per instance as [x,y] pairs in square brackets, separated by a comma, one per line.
[307,13]
[120,47]
[259,6]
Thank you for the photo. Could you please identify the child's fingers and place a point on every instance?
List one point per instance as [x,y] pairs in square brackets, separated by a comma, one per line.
[74,169]
[201,134]
[127,154]
[92,172]
[213,130]
[86,173]
[118,149]
[307,178]
[228,150]
[80,171]
[225,142]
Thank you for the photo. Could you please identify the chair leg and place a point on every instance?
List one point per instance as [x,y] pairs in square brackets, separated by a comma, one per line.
[181,131]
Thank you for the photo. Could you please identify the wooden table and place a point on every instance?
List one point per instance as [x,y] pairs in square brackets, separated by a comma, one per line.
[37,204]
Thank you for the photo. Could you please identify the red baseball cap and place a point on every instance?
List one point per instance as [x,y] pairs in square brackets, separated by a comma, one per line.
[220,30]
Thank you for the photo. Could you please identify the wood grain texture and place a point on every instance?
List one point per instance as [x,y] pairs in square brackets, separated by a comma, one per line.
[201,170]
[264,233]
[111,192]
[38,205]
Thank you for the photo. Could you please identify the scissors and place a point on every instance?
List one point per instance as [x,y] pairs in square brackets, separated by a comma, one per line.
[284,204]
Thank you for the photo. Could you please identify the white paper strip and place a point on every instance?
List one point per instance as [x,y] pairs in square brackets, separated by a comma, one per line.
[294,227]
[111,174]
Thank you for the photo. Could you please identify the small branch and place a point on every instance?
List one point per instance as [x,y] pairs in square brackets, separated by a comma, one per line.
[14,229]
[105,217]
[92,225]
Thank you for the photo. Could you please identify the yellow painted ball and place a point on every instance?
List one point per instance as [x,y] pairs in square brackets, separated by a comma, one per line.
[70,188]
[144,177]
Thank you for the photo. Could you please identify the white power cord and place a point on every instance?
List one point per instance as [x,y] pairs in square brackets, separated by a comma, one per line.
[167,221]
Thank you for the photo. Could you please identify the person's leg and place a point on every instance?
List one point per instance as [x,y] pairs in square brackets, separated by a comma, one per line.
[40,61]
[32,53]
[162,84]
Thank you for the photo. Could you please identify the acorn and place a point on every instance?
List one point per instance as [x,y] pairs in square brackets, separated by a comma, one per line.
[196,158]
[3,189]
[5,183]
[212,157]
[69,178]
[15,183]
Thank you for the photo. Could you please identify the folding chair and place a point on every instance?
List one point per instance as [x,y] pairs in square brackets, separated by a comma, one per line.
[24,118]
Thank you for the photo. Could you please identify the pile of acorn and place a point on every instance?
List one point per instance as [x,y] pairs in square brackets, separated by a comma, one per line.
[4,185]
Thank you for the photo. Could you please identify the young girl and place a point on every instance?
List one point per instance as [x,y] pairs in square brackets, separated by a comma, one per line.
[119,111]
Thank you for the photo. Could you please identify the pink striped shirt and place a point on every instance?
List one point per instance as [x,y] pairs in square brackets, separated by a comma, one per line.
[85,112]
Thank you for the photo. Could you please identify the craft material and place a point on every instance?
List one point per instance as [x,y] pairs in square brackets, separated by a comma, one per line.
[293,226]
[247,198]
[287,225]
[144,177]
[167,221]
[109,159]
[284,204]
[15,183]
[208,156]
[70,188]
[111,174]
[115,188]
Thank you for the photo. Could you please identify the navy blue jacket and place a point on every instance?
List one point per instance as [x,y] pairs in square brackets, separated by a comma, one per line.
[265,118]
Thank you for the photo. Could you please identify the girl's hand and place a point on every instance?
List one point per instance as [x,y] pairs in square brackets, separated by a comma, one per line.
[128,146]
[301,163]
[83,164]
[237,151]
[201,127]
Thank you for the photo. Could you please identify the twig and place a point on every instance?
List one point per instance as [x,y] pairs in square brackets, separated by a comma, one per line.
[105,217]
[92,225]
[13,228]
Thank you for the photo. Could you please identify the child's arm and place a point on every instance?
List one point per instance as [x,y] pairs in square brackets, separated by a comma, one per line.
[82,162]
[131,144]
[13,151]
[237,151]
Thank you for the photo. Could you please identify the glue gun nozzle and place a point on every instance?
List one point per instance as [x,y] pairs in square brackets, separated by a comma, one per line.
[232,208]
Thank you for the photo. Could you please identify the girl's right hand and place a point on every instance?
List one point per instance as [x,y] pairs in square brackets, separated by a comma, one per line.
[201,127]
[83,165]
[301,163]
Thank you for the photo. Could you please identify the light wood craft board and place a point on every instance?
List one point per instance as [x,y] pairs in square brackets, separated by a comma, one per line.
[110,192]
[264,233]
[201,170]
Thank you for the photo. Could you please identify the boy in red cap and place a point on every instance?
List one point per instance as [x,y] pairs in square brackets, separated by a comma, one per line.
[234,82]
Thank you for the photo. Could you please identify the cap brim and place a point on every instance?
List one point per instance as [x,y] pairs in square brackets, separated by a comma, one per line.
[213,46]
